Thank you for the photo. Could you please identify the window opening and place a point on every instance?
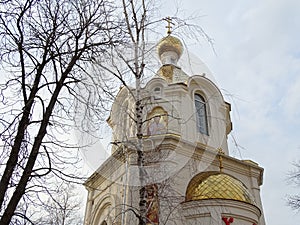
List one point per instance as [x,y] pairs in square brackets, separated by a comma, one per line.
[157,93]
[201,114]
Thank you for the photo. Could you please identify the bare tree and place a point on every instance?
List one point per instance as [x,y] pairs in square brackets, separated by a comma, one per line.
[294,200]
[61,207]
[130,62]
[45,48]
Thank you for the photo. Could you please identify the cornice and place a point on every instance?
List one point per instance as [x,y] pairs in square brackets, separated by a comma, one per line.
[173,142]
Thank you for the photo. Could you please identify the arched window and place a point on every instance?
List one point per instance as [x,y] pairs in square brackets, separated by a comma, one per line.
[104,223]
[201,114]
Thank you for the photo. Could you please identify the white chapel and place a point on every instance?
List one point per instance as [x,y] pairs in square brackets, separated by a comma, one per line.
[191,178]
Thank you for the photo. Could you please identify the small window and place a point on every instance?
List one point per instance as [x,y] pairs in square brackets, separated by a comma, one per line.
[157,93]
[201,114]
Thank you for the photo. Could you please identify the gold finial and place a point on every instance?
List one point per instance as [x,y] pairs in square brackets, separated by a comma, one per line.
[220,154]
[169,21]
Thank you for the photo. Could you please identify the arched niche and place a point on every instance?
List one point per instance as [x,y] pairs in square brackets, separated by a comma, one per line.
[157,121]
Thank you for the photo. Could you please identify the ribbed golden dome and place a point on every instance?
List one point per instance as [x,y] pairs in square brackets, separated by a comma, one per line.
[217,186]
[170,43]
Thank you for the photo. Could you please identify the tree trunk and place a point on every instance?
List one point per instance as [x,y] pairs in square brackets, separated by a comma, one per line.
[13,157]
[20,189]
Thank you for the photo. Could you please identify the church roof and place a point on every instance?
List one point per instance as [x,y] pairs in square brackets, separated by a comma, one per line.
[217,186]
[169,51]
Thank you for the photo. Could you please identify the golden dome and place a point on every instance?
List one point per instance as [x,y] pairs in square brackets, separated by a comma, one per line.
[170,43]
[213,185]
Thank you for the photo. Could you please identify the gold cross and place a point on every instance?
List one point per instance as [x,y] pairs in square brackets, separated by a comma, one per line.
[169,21]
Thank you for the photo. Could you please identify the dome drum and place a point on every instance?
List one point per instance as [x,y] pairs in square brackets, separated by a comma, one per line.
[208,210]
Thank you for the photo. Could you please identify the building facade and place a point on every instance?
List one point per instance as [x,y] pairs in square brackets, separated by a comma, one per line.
[190,176]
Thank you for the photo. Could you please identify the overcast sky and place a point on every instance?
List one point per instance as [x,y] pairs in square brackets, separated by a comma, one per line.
[258,62]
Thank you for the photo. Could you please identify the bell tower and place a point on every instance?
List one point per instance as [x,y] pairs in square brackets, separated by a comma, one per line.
[192,179]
